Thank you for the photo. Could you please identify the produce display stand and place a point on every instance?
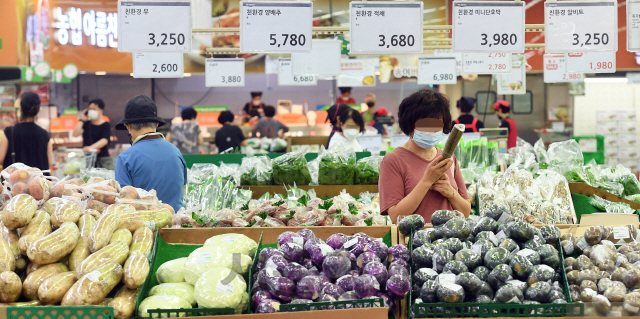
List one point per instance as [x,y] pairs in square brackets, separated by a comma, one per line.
[587,190]
[237,158]
[322,191]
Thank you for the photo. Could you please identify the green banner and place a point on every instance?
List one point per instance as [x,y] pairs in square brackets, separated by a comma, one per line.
[211,108]
[70,111]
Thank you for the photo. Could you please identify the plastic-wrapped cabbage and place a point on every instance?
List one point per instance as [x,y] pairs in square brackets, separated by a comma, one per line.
[450,293]
[162,302]
[203,259]
[337,166]
[291,168]
[256,171]
[219,288]
[233,243]
[368,170]
[182,290]
[411,223]
[171,271]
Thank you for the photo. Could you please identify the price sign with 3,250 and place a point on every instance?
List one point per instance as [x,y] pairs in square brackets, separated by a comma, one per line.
[580,26]
[488,26]
[375,27]
[224,72]
[142,26]
[437,70]
[158,65]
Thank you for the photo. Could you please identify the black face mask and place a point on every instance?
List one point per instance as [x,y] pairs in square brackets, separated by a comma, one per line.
[499,118]
[370,104]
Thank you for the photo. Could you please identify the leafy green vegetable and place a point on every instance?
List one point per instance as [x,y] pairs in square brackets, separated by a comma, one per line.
[303,200]
[326,204]
[336,169]
[186,226]
[251,223]
[353,209]
[630,184]
[369,221]
[368,170]
[291,168]
[263,215]
[256,171]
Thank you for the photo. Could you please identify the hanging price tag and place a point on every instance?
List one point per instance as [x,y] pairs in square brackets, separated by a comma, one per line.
[555,70]
[580,26]
[375,28]
[143,26]
[514,82]
[323,60]
[286,78]
[437,70]
[486,63]
[399,140]
[371,143]
[224,72]
[488,26]
[356,72]
[282,26]
[633,25]
[158,65]
[591,62]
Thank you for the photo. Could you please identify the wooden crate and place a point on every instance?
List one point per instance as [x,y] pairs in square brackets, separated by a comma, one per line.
[322,191]
[587,190]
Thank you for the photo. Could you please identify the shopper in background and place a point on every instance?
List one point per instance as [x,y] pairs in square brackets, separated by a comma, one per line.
[370,100]
[151,162]
[27,142]
[417,179]
[229,136]
[268,126]
[471,123]
[345,96]
[253,108]
[332,117]
[352,125]
[379,113]
[186,135]
[503,110]
[96,133]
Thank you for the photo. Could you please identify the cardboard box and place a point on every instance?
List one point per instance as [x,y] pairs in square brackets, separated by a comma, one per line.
[619,222]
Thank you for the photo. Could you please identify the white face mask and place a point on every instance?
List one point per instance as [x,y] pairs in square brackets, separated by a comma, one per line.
[350,133]
[93,115]
[256,103]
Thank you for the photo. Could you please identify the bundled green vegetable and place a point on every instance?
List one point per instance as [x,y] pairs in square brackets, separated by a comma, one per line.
[256,171]
[337,166]
[291,168]
[630,184]
[368,170]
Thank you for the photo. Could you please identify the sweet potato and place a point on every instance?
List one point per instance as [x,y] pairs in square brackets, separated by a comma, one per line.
[32,282]
[102,231]
[10,286]
[53,289]
[7,258]
[93,287]
[39,226]
[97,205]
[39,188]
[142,241]
[153,219]
[85,224]
[136,270]
[129,192]
[124,303]
[19,188]
[123,235]
[31,267]
[18,211]
[54,246]
[113,253]
[21,175]
[79,254]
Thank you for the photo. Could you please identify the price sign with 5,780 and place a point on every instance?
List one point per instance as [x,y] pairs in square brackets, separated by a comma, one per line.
[143,26]
[275,26]
[386,27]
[488,26]
[580,26]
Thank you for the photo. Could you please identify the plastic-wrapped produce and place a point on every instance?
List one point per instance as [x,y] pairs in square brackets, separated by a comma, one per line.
[509,294]
[450,293]
[212,291]
[291,168]
[234,243]
[368,170]
[256,171]
[337,166]
[203,259]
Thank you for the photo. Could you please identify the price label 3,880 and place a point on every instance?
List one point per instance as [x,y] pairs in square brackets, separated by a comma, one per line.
[224,72]
[437,70]
[286,77]
[488,26]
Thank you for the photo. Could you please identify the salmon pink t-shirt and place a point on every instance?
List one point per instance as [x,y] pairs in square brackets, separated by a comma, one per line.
[400,172]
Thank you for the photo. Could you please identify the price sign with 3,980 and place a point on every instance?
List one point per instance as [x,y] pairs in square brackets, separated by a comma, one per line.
[580,26]
[488,26]
[275,26]
[143,26]
[386,27]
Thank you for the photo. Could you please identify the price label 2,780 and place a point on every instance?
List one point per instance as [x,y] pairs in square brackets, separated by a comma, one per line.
[158,65]
[275,26]
[375,27]
[580,26]
[486,63]
[488,26]
[142,26]
[286,77]
[437,70]
[224,72]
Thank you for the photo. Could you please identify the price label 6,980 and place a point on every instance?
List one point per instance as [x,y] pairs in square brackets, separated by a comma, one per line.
[488,26]
[224,72]
[437,70]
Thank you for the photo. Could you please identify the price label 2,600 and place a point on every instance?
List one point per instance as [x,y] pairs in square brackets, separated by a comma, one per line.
[282,26]
[375,27]
[224,72]
[437,70]
[158,65]
[488,26]
[142,26]
[580,26]
[286,77]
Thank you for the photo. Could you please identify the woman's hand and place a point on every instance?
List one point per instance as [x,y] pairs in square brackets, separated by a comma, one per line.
[443,186]
[436,169]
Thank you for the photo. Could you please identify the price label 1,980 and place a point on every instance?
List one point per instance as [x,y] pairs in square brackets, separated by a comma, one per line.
[555,70]
[142,26]
[486,63]
[488,26]
[224,72]
[591,62]
[286,77]
[158,65]
[275,26]
[386,27]
[437,70]
[580,26]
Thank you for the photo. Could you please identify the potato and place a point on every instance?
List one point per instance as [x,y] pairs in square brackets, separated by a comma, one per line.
[79,254]
[136,270]
[32,282]
[10,286]
[102,231]
[18,211]
[123,235]
[7,258]
[129,192]
[167,206]
[59,190]
[93,287]
[39,188]
[65,212]
[113,253]
[20,175]
[96,205]
[32,267]
[154,219]
[53,289]
[85,224]
[96,214]
[94,180]
[119,209]
[39,226]
[32,303]
[19,188]
[54,246]
[51,203]
[105,194]
[142,241]
[124,303]
[11,237]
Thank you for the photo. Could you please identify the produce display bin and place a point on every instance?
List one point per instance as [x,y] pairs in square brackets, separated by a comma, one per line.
[587,190]
[237,158]
[322,191]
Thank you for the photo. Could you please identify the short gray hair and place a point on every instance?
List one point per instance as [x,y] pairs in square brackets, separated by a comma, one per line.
[138,126]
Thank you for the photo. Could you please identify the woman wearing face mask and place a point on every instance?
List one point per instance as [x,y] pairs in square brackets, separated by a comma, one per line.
[96,133]
[351,123]
[414,178]
[345,96]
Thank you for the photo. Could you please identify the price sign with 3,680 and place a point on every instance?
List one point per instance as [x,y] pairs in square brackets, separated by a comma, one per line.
[386,27]
[580,26]
[224,72]
[488,26]
[143,26]
[276,26]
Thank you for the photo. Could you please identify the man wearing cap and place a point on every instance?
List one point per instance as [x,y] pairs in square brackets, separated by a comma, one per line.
[503,110]
[471,123]
[253,108]
[345,96]
[151,162]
